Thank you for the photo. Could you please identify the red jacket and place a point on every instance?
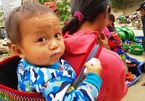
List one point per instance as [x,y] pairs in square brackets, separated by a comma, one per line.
[113,75]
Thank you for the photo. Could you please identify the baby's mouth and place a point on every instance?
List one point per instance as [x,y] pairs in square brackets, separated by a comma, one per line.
[55,54]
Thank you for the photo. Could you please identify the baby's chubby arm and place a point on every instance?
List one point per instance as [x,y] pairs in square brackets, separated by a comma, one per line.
[92,80]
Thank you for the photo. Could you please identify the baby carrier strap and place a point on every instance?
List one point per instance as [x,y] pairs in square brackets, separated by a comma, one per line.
[8,83]
[95,52]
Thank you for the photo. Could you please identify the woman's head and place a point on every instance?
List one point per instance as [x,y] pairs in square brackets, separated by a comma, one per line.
[89,11]
[141,9]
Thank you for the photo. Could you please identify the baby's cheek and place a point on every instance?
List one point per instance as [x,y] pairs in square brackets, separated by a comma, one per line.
[37,58]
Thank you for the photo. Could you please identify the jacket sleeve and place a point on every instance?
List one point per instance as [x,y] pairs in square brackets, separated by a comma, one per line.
[56,83]
[61,88]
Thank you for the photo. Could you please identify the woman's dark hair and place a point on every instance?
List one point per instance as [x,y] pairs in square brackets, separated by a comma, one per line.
[111,27]
[111,17]
[90,9]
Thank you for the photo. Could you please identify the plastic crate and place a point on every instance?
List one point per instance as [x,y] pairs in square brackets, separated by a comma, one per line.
[137,71]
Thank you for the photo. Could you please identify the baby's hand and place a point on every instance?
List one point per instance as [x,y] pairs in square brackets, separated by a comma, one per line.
[93,66]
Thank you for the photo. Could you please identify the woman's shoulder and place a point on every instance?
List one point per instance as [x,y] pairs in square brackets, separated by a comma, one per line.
[81,33]
[110,56]
[79,43]
[112,65]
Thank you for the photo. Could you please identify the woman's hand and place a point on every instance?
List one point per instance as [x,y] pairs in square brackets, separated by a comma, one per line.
[103,41]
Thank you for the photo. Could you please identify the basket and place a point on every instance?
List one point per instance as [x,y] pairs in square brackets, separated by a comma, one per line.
[118,29]
[125,47]
[122,35]
[136,49]
[125,33]
[129,35]
[138,40]
[8,83]
[136,70]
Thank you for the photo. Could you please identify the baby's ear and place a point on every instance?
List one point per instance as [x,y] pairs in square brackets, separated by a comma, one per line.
[17,50]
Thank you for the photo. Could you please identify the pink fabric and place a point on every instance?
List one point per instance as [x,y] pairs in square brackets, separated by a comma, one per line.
[113,75]
[107,32]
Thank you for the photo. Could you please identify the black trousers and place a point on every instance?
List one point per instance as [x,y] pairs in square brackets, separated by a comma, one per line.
[143,40]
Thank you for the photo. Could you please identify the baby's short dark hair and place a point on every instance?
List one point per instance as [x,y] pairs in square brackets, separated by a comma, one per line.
[14,20]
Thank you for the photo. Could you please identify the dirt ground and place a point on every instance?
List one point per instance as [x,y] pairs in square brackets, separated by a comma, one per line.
[130,7]
[136,92]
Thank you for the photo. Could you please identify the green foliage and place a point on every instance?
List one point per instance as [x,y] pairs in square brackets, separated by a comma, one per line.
[42,1]
[117,3]
[63,7]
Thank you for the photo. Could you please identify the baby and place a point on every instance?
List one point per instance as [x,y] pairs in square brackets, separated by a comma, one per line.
[36,37]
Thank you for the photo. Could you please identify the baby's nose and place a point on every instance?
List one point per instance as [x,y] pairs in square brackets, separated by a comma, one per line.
[53,46]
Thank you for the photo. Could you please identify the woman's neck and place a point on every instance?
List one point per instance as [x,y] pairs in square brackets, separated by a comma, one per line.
[89,26]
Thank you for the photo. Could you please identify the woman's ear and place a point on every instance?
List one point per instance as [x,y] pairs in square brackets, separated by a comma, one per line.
[108,10]
[17,50]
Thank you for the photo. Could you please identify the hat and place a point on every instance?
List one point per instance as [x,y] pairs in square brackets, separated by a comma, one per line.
[142,5]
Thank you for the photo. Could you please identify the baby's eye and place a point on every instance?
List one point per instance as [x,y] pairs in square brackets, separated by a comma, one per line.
[42,39]
[57,35]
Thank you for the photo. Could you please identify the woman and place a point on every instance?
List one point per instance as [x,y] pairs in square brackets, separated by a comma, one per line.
[115,42]
[89,19]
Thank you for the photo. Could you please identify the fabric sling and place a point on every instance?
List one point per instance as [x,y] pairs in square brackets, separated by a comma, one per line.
[94,53]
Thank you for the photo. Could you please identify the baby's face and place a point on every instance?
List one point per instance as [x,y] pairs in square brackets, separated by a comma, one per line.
[42,42]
